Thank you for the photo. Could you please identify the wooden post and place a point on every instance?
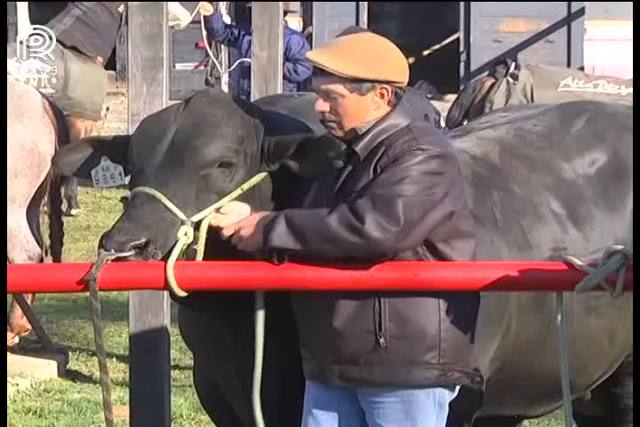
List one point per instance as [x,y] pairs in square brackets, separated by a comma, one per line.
[149,311]
[267,21]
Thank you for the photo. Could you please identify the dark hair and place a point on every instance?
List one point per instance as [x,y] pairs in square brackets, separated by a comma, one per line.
[363,87]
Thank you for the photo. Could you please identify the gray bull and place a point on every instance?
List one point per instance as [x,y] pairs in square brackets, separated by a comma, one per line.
[540,179]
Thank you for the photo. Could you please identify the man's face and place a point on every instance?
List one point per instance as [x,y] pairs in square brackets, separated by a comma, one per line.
[342,110]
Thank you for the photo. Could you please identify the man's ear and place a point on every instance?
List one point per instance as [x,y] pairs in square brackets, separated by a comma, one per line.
[307,154]
[81,157]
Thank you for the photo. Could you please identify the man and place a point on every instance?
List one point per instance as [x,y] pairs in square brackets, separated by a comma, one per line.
[296,68]
[375,358]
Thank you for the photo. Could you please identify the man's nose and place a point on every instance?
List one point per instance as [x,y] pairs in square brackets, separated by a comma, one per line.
[321,106]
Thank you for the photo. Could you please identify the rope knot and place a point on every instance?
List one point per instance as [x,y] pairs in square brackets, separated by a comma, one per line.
[614,260]
[185,233]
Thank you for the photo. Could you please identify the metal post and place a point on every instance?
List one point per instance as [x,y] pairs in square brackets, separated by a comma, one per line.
[149,311]
[12,21]
[267,21]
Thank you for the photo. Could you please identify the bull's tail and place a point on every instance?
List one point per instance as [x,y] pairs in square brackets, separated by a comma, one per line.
[54,196]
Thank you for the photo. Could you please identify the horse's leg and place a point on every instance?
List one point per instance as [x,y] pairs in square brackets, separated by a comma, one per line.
[25,248]
[79,128]
[27,236]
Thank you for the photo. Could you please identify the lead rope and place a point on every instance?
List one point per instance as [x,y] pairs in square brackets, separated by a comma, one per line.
[96,312]
[185,236]
[614,259]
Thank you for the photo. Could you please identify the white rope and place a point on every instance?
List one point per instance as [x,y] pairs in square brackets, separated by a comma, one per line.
[615,258]
[182,18]
[258,358]
[223,74]
[565,376]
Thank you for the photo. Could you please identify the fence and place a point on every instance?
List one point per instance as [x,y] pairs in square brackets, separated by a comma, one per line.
[257,275]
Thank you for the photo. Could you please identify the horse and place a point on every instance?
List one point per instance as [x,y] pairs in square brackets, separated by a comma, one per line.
[35,129]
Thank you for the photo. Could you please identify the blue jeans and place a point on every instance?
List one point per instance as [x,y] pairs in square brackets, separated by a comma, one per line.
[329,406]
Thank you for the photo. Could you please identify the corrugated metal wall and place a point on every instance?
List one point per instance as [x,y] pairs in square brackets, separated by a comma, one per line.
[534,32]
[608,39]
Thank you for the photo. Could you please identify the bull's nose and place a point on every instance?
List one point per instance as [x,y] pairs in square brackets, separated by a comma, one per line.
[112,242]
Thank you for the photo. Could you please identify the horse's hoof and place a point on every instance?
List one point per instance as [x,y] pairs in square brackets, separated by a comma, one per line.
[73,212]
[13,338]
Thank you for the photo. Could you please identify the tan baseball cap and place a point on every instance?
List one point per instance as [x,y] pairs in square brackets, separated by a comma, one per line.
[362,56]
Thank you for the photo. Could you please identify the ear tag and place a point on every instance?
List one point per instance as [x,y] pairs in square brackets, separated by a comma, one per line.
[108,174]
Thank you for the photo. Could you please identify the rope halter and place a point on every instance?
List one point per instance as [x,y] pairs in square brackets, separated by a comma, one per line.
[186,232]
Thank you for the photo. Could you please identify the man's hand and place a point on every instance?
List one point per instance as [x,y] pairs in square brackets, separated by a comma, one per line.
[247,234]
[207,8]
[229,214]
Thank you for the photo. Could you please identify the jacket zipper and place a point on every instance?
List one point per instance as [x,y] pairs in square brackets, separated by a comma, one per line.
[379,324]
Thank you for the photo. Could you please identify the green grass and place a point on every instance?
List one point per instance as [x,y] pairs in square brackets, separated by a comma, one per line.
[76,400]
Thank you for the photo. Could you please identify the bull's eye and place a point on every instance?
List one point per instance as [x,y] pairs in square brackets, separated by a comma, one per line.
[224,165]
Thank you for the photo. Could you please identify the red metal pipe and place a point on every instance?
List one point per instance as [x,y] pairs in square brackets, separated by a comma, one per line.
[201,276]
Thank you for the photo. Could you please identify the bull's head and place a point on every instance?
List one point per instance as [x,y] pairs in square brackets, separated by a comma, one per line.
[196,152]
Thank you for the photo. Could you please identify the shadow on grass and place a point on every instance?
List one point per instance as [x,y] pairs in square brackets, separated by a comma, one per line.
[122,358]
[71,308]
[78,377]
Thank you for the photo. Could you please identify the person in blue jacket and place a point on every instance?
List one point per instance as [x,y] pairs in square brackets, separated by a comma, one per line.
[296,67]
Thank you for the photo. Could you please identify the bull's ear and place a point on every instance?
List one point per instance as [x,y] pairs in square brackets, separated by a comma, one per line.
[307,155]
[81,157]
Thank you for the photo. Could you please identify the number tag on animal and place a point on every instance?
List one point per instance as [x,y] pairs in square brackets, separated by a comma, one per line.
[108,174]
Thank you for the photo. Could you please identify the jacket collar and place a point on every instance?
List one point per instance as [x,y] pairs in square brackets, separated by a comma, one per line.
[396,119]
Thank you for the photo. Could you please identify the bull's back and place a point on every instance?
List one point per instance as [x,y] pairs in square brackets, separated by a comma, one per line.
[546,181]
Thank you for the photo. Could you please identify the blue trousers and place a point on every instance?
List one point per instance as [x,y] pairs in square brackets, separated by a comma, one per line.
[329,406]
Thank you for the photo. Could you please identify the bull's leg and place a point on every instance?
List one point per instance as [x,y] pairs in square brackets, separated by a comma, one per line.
[216,400]
[463,408]
[282,378]
[70,195]
[220,337]
[79,128]
[611,403]
[513,421]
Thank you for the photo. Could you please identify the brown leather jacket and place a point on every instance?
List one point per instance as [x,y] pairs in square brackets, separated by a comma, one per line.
[400,197]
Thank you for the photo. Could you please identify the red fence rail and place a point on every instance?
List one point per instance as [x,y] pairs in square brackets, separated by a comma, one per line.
[202,276]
